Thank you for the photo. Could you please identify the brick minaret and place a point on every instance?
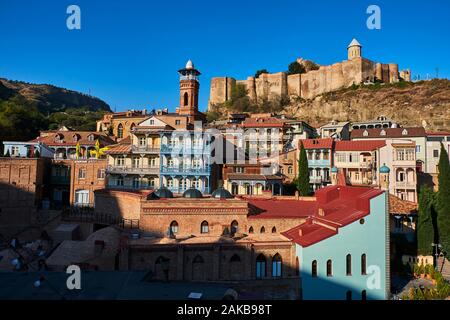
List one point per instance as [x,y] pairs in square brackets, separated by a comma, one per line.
[189,87]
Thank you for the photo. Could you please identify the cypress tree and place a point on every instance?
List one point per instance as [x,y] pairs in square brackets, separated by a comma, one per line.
[443,201]
[303,173]
[425,230]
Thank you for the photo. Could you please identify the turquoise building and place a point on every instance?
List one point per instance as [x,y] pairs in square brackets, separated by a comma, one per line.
[344,249]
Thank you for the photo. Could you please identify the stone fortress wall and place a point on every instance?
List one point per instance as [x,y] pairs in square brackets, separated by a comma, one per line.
[308,85]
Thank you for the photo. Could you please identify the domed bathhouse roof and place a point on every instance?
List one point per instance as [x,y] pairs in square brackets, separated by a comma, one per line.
[192,193]
[163,192]
[222,193]
[334,170]
[385,169]
[152,196]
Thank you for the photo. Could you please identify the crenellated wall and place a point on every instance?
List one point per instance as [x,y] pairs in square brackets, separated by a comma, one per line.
[308,85]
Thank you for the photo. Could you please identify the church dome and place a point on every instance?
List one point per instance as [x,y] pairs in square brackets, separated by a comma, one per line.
[385,169]
[152,196]
[190,64]
[192,193]
[163,192]
[222,193]
[334,170]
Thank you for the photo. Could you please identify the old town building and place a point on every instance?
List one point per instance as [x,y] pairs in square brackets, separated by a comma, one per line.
[258,239]
[320,158]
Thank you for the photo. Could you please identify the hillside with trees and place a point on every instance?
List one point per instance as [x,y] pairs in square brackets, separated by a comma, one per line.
[25,109]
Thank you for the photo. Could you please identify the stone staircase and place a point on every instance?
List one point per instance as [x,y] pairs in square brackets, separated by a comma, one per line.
[444,267]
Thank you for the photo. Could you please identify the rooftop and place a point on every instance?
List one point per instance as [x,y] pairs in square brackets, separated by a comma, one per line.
[388,133]
[326,143]
[367,145]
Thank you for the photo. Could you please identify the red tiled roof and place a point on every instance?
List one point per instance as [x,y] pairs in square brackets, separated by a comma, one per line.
[119,149]
[438,133]
[326,143]
[262,122]
[336,206]
[399,206]
[390,133]
[67,138]
[366,145]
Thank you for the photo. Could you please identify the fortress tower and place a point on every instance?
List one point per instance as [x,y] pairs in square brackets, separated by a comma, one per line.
[189,88]
[354,50]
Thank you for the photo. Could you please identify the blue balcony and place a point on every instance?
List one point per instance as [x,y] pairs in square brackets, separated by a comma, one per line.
[166,148]
[180,170]
[319,163]
[205,190]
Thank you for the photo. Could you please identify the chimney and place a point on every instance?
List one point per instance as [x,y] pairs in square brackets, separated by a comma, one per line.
[144,112]
[321,212]
[300,232]
[297,196]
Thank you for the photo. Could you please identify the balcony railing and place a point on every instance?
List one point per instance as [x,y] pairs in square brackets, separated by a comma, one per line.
[185,149]
[145,149]
[405,184]
[316,179]
[131,187]
[132,170]
[186,170]
[204,190]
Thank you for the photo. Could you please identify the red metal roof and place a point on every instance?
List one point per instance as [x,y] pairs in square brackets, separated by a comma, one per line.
[271,208]
[262,122]
[388,133]
[336,206]
[438,133]
[326,143]
[365,145]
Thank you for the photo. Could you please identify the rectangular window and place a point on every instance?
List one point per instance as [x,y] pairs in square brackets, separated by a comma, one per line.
[120,161]
[436,153]
[417,149]
[177,122]
[14,151]
[238,169]
[136,162]
[101,174]
[142,141]
[82,173]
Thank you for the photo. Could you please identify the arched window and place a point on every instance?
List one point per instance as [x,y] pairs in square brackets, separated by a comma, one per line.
[274,230]
[174,227]
[250,230]
[260,266]
[329,268]
[204,227]
[132,126]
[349,264]
[120,131]
[234,188]
[235,258]
[290,170]
[185,99]
[363,264]
[263,230]
[198,259]
[348,295]
[364,295]
[276,266]
[234,226]
[314,269]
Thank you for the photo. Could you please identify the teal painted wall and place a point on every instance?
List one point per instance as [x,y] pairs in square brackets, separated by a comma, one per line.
[355,239]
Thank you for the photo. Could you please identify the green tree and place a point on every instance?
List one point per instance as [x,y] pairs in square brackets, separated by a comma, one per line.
[303,173]
[443,201]
[260,72]
[425,229]
[295,68]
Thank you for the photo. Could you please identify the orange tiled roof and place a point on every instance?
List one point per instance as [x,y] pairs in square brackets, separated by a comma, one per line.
[399,206]
[67,138]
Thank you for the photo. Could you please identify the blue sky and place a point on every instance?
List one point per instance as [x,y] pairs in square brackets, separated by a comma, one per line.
[128,52]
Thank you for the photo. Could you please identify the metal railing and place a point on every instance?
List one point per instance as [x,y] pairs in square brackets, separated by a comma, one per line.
[88,214]
[186,170]
[133,170]
[145,149]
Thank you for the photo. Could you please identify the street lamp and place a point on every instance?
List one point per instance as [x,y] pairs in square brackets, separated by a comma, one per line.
[437,247]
